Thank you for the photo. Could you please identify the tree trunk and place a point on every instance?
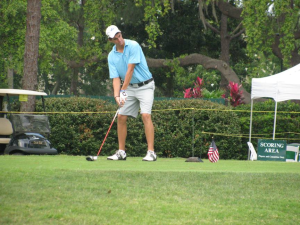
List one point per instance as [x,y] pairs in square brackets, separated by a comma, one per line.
[74,82]
[56,87]
[29,81]
[76,74]
[10,78]
[225,53]
[10,75]
[225,40]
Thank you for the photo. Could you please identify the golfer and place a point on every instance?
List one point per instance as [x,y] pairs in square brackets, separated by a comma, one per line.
[133,86]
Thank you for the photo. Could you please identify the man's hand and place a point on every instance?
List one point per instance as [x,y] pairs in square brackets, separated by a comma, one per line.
[123,97]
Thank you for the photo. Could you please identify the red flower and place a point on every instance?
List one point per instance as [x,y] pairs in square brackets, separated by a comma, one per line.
[236,95]
[188,93]
[197,90]
[199,82]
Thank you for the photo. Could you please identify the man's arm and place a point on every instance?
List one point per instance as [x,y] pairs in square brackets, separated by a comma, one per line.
[128,76]
[117,87]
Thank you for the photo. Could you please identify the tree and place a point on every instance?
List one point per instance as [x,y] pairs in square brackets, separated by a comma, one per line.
[156,9]
[267,28]
[79,23]
[87,20]
[221,29]
[12,22]
[147,21]
[273,26]
[29,81]
[67,53]
[221,64]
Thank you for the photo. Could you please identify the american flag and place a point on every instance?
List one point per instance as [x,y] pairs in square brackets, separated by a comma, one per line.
[213,153]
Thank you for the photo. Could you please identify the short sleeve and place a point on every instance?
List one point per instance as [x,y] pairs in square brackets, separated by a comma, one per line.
[113,72]
[135,54]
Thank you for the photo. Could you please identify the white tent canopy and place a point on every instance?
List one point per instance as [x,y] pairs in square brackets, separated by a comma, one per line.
[281,87]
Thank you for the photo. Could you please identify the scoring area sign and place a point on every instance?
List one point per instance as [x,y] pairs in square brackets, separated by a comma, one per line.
[271,150]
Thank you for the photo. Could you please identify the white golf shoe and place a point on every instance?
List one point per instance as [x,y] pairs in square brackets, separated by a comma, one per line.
[151,156]
[119,155]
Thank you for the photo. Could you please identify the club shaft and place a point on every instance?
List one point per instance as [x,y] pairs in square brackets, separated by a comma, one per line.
[112,122]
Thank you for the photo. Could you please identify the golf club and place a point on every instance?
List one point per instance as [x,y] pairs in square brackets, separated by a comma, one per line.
[94,158]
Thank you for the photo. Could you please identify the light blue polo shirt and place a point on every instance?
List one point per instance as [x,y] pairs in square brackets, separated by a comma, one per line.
[132,54]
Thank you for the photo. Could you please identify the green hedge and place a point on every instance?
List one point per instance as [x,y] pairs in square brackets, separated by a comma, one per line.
[287,121]
[176,123]
[83,133]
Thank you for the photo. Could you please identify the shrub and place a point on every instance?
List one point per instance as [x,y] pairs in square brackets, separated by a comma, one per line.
[287,121]
[175,137]
[79,133]
[83,133]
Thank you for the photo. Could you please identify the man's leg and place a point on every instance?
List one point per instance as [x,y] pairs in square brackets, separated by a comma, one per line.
[122,131]
[149,130]
[145,96]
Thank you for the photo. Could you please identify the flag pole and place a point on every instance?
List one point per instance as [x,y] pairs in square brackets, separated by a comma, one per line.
[213,153]
[193,158]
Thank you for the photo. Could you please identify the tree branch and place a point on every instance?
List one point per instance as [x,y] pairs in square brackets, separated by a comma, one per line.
[297,34]
[212,28]
[238,34]
[207,63]
[237,28]
[229,10]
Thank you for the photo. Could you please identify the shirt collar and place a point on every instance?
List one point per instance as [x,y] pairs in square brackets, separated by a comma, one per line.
[115,47]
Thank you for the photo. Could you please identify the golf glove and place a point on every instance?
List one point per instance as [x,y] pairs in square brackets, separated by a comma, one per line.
[123,97]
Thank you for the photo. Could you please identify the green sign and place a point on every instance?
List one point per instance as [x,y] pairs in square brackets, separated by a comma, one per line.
[271,150]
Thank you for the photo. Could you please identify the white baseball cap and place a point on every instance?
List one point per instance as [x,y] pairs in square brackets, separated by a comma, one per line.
[111,31]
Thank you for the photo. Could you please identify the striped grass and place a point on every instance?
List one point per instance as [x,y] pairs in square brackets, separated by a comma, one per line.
[71,190]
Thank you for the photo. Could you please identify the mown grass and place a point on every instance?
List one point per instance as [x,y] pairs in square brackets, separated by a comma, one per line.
[71,190]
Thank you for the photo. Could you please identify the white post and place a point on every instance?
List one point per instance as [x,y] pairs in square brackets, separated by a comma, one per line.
[250,129]
[274,128]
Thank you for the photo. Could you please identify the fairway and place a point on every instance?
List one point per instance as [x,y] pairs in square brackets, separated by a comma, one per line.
[71,190]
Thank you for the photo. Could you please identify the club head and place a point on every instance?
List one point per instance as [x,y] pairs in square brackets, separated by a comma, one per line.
[91,158]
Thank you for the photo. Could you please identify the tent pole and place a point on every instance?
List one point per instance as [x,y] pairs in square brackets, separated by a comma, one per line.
[275,120]
[250,129]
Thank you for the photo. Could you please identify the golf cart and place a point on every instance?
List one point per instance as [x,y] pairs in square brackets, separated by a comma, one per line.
[23,134]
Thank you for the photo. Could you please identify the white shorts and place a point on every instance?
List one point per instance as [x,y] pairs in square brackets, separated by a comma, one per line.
[138,98]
